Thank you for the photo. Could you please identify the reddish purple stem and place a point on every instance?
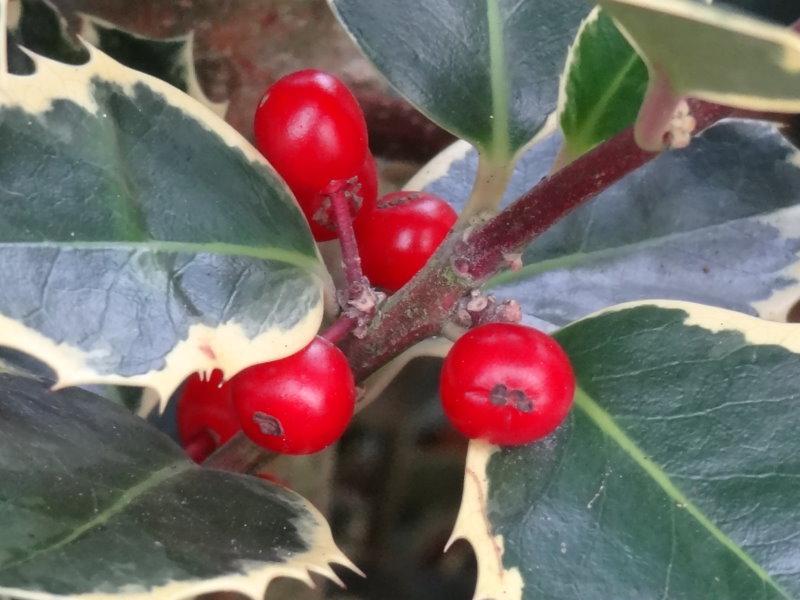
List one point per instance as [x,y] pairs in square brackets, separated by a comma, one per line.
[343,220]
[339,329]
[427,301]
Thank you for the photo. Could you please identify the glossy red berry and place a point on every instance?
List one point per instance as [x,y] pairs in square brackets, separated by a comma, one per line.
[399,234]
[205,414]
[508,384]
[310,128]
[316,207]
[299,404]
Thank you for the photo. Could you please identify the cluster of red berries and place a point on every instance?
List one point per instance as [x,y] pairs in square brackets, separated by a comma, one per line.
[505,383]
[311,129]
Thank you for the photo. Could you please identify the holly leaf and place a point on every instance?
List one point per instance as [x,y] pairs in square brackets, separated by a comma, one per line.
[487,72]
[171,60]
[673,477]
[141,237]
[713,53]
[97,502]
[716,223]
[39,26]
[604,83]
[605,79]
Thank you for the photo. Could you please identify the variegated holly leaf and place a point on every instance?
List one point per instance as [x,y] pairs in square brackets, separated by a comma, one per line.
[171,60]
[141,237]
[486,71]
[708,52]
[39,26]
[97,503]
[717,223]
[675,475]
[605,79]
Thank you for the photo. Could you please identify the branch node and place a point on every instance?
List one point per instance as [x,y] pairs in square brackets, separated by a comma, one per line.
[477,308]
[681,127]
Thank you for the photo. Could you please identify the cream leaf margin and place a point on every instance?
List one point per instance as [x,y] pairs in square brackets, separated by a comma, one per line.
[253,582]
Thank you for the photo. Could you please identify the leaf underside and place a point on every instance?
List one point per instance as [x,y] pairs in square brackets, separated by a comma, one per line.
[713,53]
[716,223]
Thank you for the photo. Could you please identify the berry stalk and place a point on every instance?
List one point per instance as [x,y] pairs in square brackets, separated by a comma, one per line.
[343,220]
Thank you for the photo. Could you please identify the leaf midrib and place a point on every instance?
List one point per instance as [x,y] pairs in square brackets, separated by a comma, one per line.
[498,78]
[123,501]
[582,139]
[290,257]
[607,425]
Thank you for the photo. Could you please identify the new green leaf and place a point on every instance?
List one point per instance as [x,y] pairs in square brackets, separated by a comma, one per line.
[674,477]
[603,87]
[98,503]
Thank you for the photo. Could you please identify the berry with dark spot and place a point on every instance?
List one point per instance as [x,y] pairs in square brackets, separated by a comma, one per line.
[506,383]
[299,404]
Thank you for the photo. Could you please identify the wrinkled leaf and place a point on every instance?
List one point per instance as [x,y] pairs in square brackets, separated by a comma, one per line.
[716,223]
[675,475]
[486,71]
[141,237]
[603,88]
[96,501]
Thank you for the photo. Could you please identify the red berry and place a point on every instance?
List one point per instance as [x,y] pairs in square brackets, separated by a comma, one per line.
[506,383]
[310,128]
[205,411]
[299,404]
[317,209]
[200,447]
[399,234]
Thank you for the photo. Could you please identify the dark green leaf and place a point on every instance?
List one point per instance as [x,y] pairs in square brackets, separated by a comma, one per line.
[171,60]
[96,501]
[674,477]
[604,86]
[141,237]
[486,71]
[716,223]
[39,26]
